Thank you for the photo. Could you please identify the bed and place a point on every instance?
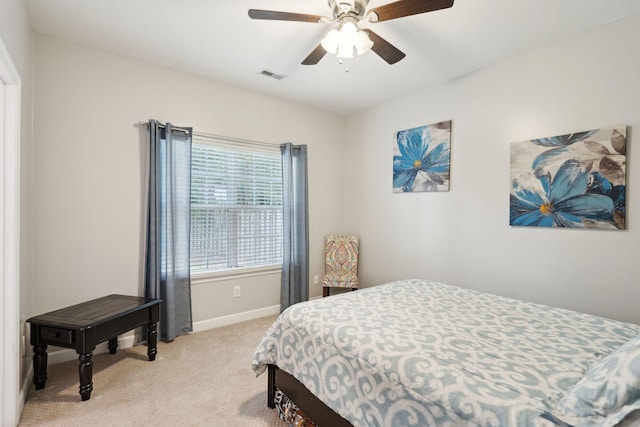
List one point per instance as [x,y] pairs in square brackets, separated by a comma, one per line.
[423,353]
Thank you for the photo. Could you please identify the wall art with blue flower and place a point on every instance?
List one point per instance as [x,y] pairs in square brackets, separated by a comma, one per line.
[421,158]
[575,180]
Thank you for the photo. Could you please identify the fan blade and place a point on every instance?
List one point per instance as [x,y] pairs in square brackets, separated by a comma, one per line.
[283,16]
[409,7]
[384,49]
[315,56]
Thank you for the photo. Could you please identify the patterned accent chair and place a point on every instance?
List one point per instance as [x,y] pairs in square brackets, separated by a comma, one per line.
[341,263]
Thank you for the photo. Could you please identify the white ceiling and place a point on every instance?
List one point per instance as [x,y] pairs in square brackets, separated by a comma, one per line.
[216,39]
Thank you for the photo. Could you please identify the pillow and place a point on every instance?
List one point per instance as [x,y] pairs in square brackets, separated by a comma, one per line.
[608,392]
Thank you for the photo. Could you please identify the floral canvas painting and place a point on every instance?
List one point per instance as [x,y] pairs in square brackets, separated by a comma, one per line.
[575,180]
[421,158]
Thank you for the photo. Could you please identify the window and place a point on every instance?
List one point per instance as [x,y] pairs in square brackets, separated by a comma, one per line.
[236,206]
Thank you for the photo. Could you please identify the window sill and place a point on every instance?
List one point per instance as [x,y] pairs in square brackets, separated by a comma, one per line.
[235,273]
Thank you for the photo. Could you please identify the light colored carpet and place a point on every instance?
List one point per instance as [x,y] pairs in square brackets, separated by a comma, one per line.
[201,379]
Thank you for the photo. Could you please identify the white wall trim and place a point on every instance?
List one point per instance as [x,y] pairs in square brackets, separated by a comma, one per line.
[218,322]
[10,406]
[26,385]
[232,274]
[127,340]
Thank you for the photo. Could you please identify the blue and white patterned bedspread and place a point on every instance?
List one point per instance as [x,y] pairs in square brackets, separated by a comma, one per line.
[421,353]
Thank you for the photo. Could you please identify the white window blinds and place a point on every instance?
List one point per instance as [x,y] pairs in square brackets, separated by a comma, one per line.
[236,205]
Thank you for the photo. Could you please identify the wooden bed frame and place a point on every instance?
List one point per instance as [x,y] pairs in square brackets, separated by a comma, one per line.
[319,413]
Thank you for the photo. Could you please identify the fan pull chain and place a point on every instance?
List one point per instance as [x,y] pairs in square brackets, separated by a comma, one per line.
[345,63]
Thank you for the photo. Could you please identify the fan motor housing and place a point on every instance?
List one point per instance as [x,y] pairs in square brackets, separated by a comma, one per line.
[348,7]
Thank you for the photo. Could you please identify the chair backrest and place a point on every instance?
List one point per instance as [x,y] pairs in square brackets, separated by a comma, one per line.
[341,253]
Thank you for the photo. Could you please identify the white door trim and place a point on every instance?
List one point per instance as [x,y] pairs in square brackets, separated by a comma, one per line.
[9,240]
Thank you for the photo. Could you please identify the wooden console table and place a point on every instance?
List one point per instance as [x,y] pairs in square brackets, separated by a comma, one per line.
[85,325]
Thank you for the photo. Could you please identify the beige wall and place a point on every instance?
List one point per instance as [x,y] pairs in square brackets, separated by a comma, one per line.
[89,171]
[463,236]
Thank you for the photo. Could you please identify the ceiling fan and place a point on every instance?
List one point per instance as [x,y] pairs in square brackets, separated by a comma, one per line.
[348,36]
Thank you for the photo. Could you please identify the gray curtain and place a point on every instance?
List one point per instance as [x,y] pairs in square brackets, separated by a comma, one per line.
[295,266]
[167,274]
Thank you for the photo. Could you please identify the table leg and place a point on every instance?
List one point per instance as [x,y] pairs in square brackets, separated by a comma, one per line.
[113,345]
[39,365]
[152,340]
[86,374]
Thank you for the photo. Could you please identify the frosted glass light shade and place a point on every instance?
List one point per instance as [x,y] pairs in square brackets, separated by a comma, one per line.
[331,41]
[363,42]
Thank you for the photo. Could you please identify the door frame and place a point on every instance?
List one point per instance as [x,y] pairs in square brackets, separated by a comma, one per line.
[10,347]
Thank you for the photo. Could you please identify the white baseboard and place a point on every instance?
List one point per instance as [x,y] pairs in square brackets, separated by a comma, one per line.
[127,340]
[26,385]
[217,322]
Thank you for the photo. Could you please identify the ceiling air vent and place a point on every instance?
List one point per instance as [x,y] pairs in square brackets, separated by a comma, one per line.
[272,74]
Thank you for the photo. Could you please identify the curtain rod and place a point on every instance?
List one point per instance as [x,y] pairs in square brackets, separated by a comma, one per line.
[221,137]
[163,125]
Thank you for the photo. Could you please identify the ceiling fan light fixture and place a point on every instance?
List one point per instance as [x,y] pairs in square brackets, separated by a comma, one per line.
[345,39]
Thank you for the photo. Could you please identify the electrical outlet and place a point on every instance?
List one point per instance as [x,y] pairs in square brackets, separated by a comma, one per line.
[316,279]
[236,291]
